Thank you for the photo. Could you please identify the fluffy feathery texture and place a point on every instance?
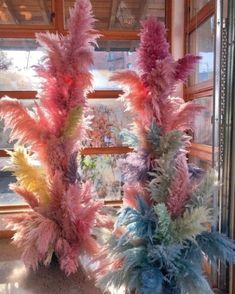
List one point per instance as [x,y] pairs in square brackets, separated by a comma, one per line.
[63,211]
[162,233]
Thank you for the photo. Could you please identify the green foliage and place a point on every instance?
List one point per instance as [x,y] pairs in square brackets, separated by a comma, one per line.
[88,162]
[73,119]
[164,228]
[153,136]
[129,138]
[185,227]
[202,195]
[192,223]
[161,178]
[166,145]
[171,143]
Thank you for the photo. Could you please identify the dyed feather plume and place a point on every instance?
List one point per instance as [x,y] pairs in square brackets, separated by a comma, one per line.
[161,234]
[63,212]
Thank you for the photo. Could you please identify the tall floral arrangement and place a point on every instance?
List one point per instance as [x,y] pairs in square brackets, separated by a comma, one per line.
[44,160]
[163,235]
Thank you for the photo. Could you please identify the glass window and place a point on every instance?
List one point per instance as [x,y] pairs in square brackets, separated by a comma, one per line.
[18,56]
[206,165]
[201,42]
[196,5]
[104,174]
[109,118]
[7,197]
[111,56]
[202,133]
[25,12]
[101,170]
[122,15]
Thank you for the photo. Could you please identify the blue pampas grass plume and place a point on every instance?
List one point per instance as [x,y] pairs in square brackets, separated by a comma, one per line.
[140,222]
[164,256]
[189,277]
[151,280]
[216,245]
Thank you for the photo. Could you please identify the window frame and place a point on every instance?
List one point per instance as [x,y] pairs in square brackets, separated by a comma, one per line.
[57,26]
[202,89]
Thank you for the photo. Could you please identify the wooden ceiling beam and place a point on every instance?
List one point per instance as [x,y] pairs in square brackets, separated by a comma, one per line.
[113,13]
[45,12]
[11,11]
[142,9]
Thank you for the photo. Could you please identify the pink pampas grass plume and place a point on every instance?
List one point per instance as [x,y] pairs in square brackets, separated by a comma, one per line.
[153,44]
[61,224]
[179,188]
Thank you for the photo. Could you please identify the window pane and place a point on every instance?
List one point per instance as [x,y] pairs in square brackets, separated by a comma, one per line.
[111,56]
[25,12]
[101,170]
[122,15]
[18,56]
[7,197]
[104,174]
[196,5]
[202,124]
[201,42]
[4,136]
[109,119]
[206,165]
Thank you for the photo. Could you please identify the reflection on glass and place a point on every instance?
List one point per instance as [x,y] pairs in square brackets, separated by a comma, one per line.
[202,124]
[104,174]
[201,42]
[123,14]
[101,170]
[26,12]
[7,197]
[196,5]
[206,165]
[111,56]
[4,135]
[18,56]
[109,118]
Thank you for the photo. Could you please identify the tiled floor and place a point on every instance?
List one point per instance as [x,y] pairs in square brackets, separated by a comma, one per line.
[15,279]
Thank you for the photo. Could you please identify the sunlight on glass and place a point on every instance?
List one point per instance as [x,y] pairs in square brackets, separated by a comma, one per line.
[17,273]
[16,69]
[113,290]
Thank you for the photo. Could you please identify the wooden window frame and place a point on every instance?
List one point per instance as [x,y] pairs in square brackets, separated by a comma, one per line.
[57,26]
[203,89]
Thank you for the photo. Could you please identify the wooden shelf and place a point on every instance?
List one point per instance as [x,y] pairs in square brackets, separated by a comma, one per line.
[91,150]
[203,152]
[97,94]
